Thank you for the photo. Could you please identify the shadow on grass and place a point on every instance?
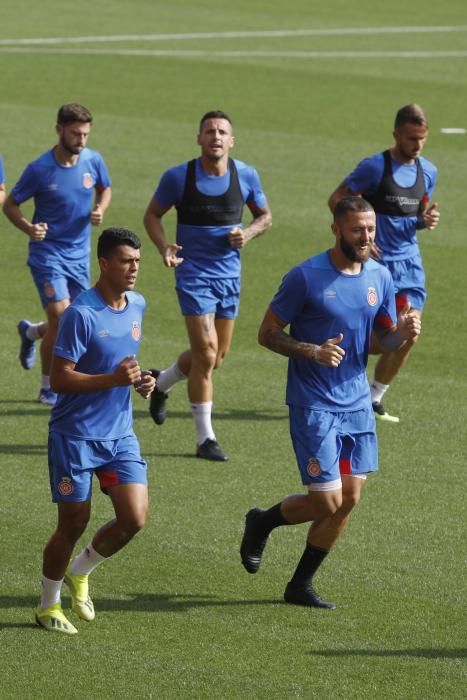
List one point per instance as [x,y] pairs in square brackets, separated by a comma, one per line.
[138,602]
[228,414]
[24,449]
[18,626]
[416,653]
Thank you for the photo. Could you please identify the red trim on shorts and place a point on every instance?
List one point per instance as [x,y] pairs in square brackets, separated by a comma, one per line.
[107,478]
[345,466]
[401,301]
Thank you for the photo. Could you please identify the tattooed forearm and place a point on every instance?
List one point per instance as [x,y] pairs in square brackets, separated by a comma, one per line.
[276,340]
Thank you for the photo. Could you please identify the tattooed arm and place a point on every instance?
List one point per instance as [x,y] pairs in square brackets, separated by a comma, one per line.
[271,334]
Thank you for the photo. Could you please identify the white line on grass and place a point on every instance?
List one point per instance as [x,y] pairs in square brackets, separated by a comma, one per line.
[349,31]
[239,54]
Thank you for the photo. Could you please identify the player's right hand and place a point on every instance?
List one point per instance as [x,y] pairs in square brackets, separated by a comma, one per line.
[170,257]
[329,353]
[128,372]
[38,231]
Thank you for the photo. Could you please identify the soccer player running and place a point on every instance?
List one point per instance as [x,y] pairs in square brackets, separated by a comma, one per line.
[331,302]
[71,190]
[399,183]
[91,427]
[209,194]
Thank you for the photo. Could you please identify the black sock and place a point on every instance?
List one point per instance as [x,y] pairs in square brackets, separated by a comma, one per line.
[271,519]
[311,560]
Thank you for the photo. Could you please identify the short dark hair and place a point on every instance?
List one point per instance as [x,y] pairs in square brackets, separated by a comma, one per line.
[214,114]
[354,203]
[73,112]
[111,238]
[410,114]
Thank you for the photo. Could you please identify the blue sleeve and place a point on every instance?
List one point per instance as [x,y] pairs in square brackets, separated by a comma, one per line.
[170,188]
[367,175]
[2,172]
[387,315]
[73,335]
[289,299]
[103,179]
[430,174]
[254,195]
[26,187]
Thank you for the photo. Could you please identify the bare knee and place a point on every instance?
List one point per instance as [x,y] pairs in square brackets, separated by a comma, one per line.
[73,529]
[350,501]
[132,524]
[204,357]
[324,508]
[221,355]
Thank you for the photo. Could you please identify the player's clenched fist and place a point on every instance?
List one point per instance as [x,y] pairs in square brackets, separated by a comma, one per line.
[128,371]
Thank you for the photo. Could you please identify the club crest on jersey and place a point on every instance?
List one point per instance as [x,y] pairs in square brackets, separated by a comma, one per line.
[88,181]
[65,486]
[313,467]
[372,297]
[135,331]
[49,290]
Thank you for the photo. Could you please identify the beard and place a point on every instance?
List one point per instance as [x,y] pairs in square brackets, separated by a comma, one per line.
[352,253]
[73,150]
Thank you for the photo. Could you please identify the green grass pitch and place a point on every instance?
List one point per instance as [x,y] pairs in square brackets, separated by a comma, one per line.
[177,616]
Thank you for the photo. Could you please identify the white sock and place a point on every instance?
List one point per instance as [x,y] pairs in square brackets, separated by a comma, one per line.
[377,390]
[169,377]
[86,561]
[45,381]
[202,417]
[33,331]
[50,592]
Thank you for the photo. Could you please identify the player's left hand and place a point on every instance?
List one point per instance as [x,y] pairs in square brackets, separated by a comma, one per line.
[431,217]
[409,323]
[97,215]
[237,237]
[147,384]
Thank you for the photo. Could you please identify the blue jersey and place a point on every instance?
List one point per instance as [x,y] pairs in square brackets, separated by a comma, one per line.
[2,172]
[206,250]
[97,338]
[319,302]
[63,199]
[396,236]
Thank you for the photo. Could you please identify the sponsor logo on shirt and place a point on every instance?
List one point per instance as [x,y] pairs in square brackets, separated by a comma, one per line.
[372,297]
[401,201]
[103,333]
[88,181]
[330,293]
[313,468]
[52,187]
[135,330]
[65,487]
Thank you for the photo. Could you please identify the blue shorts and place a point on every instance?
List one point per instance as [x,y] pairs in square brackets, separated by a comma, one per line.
[328,444]
[56,284]
[409,281]
[199,296]
[72,463]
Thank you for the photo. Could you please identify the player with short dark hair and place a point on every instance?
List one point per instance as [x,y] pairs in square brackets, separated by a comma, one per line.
[71,190]
[209,194]
[91,427]
[331,302]
[399,183]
